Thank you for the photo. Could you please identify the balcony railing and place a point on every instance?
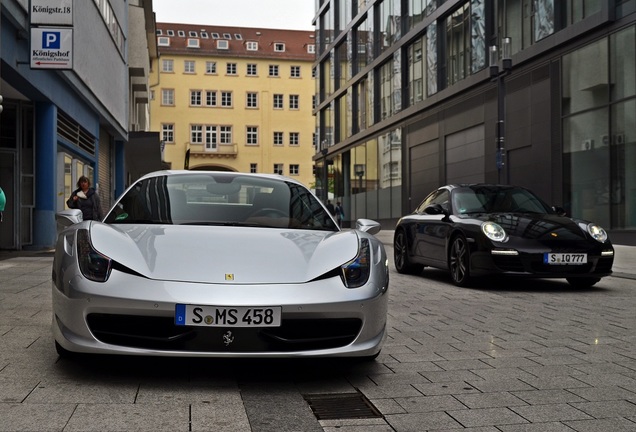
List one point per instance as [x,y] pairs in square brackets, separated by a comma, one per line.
[221,151]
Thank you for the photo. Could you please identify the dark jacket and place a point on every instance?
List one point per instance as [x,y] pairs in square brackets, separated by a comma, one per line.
[90,206]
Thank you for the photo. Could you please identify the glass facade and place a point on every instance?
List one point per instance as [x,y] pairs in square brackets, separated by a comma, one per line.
[369,75]
[599,142]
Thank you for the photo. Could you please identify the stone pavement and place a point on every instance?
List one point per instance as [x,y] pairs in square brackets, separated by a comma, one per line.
[528,357]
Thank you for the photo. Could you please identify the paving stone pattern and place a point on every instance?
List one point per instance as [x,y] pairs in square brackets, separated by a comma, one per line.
[504,356]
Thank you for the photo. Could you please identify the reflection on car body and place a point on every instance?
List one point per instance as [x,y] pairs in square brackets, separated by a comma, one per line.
[483,229]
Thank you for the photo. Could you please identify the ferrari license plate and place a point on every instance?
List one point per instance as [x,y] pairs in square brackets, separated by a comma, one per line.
[222,316]
[565,258]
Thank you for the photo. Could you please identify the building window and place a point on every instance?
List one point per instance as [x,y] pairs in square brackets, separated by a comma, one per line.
[211,138]
[167,97]
[458,45]
[167,65]
[293,102]
[252,100]
[210,67]
[253,168]
[230,69]
[195,97]
[279,47]
[294,72]
[251,46]
[294,169]
[163,41]
[193,43]
[278,138]
[204,35]
[188,66]
[222,44]
[252,135]
[294,139]
[251,69]
[196,134]
[227,36]
[311,49]
[181,33]
[226,99]
[167,133]
[273,70]
[226,134]
[210,98]
[278,168]
[278,101]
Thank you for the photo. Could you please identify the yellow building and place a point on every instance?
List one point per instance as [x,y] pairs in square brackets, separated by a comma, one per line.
[235,99]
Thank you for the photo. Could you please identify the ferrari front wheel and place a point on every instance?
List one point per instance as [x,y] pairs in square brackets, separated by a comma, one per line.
[459,261]
[401,255]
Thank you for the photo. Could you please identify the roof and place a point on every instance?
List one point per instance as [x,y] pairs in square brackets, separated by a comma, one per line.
[295,42]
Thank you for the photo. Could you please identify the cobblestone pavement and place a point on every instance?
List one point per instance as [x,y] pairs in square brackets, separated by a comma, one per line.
[501,357]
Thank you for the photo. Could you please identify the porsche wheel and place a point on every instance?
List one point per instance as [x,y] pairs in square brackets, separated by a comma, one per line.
[459,261]
[584,282]
[401,255]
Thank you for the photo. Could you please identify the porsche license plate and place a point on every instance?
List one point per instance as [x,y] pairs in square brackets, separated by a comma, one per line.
[222,316]
[565,258]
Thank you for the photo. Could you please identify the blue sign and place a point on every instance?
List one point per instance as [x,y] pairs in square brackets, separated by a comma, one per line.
[51,40]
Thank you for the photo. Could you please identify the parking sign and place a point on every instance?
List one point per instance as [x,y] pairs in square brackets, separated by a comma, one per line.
[51,48]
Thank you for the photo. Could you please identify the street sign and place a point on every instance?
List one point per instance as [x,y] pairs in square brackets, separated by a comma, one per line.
[51,12]
[51,48]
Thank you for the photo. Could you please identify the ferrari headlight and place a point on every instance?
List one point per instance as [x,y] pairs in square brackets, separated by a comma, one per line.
[597,233]
[494,231]
[356,272]
[92,264]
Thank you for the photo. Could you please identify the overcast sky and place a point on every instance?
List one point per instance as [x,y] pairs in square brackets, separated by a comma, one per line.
[280,14]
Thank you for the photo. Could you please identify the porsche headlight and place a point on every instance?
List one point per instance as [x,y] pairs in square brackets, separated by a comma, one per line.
[494,231]
[356,272]
[92,264]
[597,233]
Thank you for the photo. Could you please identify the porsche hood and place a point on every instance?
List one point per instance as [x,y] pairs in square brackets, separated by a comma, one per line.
[229,255]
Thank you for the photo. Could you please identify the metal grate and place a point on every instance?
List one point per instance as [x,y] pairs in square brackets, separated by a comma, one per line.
[341,406]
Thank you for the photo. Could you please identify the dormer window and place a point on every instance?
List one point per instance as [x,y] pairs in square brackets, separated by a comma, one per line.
[238,36]
[193,43]
[279,47]
[222,44]
[204,35]
[227,36]
[181,33]
[215,35]
[163,41]
[311,49]
[192,34]
[159,32]
[251,46]
[170,32]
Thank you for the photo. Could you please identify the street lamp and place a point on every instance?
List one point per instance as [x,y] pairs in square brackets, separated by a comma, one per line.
[499,75]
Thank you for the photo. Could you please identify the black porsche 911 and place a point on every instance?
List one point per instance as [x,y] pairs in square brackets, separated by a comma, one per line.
[483,229]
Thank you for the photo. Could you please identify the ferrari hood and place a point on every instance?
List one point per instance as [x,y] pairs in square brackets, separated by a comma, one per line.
[232,255]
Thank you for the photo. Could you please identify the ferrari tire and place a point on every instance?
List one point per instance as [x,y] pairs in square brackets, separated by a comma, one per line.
[459,261]
[583,282]
[401,255]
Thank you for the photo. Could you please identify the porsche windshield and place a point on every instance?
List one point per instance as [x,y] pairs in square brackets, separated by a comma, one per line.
[226,199]
[488,199]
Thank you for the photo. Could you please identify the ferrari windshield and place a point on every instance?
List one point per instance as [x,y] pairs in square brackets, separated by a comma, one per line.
[497,199]
[220,198]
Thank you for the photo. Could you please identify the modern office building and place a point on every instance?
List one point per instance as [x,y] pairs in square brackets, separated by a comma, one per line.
[74,82]
[413,94]
[235,99]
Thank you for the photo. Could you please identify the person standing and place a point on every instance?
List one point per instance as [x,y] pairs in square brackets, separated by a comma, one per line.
[3,202]
[85,199]
[330,207]
[339,214]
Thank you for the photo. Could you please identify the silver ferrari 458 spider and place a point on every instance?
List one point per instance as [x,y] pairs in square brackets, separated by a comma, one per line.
[218,264]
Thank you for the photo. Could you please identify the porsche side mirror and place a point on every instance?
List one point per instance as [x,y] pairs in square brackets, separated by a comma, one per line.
[66,218]
[434,209]
[369,226]
[559,210]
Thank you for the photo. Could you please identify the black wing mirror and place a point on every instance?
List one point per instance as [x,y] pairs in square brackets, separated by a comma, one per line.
[434,209]
[559,210]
